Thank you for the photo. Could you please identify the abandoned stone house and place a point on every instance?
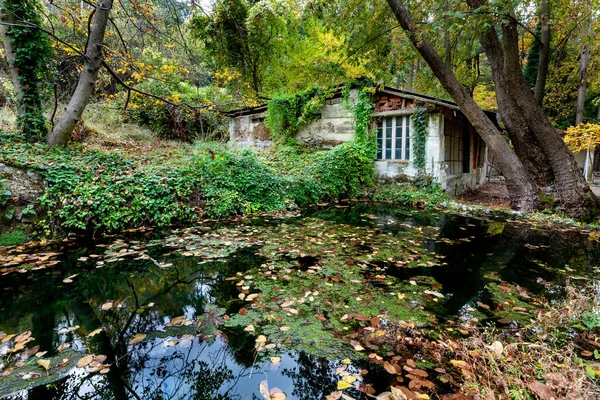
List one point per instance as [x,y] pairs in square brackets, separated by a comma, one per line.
[456,156]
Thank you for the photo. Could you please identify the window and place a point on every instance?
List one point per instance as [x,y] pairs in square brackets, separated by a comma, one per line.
[456,140]
[393,138]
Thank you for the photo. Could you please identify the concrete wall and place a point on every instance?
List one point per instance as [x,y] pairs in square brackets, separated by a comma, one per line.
[249,130]
[335,126]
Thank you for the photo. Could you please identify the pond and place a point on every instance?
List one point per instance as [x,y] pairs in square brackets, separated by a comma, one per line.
[271,304]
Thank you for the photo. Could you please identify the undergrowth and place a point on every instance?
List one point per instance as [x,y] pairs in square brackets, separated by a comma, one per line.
[109,190]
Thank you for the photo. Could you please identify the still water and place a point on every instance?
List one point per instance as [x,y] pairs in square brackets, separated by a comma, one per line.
[212,311]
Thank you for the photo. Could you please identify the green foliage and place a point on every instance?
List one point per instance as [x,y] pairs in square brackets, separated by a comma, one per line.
[419,139]
[13,238]
[4,194]
[590,320]
[184,122]
[286,113]
[409,195]
[33,54]
[533,58]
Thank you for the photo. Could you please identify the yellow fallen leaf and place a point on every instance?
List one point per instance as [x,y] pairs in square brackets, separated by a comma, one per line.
[341,385]
[458,363]
[137,338]
[284,328]
[107,306]
[423,396]
[349,378]
[275,360]
[346,361]
[249,328]
[94,333]
[44,363]
[358,347]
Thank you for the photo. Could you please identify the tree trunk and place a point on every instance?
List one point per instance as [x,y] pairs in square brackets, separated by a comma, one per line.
[87,79]
[544,60]
[524,142]
[10,52]
[584,60]
[522,189]
[571,188]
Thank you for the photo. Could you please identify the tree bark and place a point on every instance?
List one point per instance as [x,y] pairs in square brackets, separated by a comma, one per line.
[524,142]
[584,60]
[87,79]
[571,188]
[10,52]
[522,189]
[544,60]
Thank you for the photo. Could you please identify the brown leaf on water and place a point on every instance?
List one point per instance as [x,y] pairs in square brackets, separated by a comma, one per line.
[83,362]
[480,304]
[23,336]
[31,351]
[64,346]
[176,321]
[137,338]
[334,395]
[7,338]
[41,354]
[94,333]
[7,372]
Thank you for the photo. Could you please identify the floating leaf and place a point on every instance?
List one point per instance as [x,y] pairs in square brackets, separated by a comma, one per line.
[63,346]
[284,328]
[341,385]
[44,363]
[137,338]
[94,333]
[275,360]
[107,306]
[7,372]
[249,328]
[83,362]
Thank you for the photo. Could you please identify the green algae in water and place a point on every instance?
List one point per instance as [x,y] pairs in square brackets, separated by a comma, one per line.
[312,282]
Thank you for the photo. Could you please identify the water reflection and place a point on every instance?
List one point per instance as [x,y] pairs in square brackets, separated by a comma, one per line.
[204,359]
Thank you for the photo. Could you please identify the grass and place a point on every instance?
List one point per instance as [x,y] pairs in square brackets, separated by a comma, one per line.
[13,238]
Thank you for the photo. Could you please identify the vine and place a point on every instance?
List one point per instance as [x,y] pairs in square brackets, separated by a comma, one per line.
[286,113]
[33,53]
[419,139]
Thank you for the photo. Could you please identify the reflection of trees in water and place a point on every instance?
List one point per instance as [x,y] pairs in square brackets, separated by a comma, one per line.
[148,371]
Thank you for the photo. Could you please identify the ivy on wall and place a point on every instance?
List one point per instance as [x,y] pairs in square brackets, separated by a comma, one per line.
[286,113]
[419,139]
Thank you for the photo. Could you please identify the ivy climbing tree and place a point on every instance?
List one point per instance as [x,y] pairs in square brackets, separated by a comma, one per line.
[29,54]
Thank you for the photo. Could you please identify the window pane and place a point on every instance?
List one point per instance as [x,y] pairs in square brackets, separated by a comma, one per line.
[407,140]
[379,139]
[398,139]
[388,138]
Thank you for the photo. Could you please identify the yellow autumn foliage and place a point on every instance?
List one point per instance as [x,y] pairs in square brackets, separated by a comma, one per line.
[582,137]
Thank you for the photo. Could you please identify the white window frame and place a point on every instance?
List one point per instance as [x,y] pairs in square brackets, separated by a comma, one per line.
[381,125]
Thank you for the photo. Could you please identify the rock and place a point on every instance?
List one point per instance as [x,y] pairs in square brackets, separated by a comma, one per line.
[25,186]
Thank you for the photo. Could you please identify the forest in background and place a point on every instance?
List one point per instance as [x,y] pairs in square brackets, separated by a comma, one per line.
[174,66]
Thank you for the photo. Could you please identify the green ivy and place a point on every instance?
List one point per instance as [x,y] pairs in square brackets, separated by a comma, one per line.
[419,139]
[33,56]
[5,194]
[286,113]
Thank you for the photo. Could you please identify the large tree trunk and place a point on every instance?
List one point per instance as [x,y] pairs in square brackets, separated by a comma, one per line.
[544,60]
[522,189]
[10,52]
[87,79]
[524,142]
[571,188]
